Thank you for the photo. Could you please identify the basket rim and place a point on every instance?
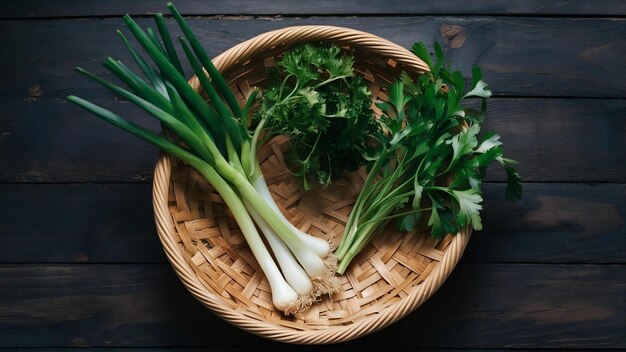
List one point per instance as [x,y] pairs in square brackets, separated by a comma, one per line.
[165,225]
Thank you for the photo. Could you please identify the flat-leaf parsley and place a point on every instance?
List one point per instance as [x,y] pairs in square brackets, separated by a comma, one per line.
[431,161]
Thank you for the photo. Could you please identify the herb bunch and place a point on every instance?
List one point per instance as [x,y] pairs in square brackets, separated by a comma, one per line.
[324,108]
[432,159]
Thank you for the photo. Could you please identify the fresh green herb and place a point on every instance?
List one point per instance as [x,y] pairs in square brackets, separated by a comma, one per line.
[219,145]
[432,159]
[324,108]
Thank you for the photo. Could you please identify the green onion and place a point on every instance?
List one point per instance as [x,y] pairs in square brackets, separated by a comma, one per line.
[206,61]
[167,41]
[218,144]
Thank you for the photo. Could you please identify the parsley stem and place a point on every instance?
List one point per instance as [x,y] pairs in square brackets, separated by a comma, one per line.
[313,147]
[317,86]
[358,205]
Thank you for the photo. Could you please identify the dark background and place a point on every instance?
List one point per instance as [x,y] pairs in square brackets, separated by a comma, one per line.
[80,262]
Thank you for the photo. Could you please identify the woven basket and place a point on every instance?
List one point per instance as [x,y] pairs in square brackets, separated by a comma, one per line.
[393,275]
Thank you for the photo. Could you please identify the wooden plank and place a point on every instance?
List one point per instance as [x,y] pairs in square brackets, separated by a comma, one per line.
[74,8]
[277,348]
[519,56]
[481,306]
[553,223]
[50,140]
[530,306]
[78,223]
[103,305]
[561,140]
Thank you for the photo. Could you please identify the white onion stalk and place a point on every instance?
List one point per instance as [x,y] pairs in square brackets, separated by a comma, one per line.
[315,244]
[293,272]
[284,297]
[313,253]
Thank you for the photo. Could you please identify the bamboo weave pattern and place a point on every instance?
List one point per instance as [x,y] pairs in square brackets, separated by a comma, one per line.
[395,274]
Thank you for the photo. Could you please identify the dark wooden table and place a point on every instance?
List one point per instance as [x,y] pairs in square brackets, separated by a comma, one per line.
[80,262]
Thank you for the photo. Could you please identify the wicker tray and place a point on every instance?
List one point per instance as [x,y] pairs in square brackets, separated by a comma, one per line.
[393,276]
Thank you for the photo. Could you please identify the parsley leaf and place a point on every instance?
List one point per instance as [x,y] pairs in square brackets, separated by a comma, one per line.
[441,225]
[464,142]
[469,207]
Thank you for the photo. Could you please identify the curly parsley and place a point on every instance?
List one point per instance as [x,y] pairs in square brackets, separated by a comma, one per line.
[318,101]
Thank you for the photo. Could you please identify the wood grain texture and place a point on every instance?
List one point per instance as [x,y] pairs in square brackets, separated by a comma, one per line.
[518,55]
[278,348]
[554,306]
[78,223]
[51,140]
[553,223]
[495,300]
[74,8]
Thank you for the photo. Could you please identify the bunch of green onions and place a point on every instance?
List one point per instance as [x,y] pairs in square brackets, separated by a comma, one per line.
[219,145]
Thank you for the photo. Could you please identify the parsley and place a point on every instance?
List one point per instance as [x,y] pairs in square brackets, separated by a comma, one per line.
[431,161]
[325,109]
